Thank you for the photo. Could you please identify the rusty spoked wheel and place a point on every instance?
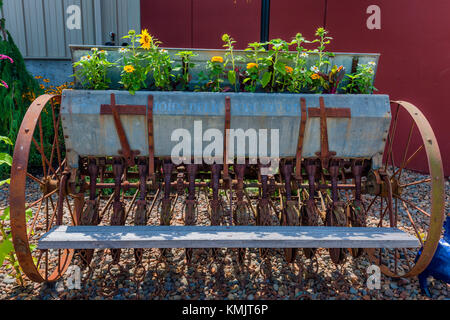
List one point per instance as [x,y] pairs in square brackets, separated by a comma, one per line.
[32,218]
[414,205]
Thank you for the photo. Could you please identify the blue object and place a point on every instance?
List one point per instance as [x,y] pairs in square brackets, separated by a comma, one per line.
[439,267]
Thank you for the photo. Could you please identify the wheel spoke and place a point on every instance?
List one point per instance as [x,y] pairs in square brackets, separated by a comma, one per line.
[70,210]
[414,206]
[44,158]
[406,149]
[35,217]
[56,128]
[41,136]
[415,183]
[371,203]
[412,222]
[410,158]
[44,197]
[391,137]
[34,178]
[407,258]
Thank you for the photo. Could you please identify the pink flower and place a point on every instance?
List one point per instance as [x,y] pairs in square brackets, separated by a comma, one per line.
[4,84]
[3,57]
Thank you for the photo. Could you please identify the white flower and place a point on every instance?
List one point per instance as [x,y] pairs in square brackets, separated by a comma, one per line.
[94,49]
[303,71]
[163,51]
[304,55]
[370,70]
[85,58]
[371,63]
[314,69]
[123,50]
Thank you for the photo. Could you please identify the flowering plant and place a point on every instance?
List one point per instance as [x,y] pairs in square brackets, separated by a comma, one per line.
[4,57]
[230,58]
[362,80]
[133,62]
[254,68]
[276,68]
[92,70]
[215,69]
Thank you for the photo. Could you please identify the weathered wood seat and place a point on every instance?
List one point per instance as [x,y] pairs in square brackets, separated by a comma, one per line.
[102,237]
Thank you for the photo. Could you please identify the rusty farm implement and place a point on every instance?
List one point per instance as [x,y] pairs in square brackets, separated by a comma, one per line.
[335,183]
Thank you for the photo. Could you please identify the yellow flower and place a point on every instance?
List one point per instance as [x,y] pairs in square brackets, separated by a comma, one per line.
[289,69]
[252,65]
[217,59]
[46,80]
[38,77]
[315,76]
[129,69]
[145,40]
[42,86]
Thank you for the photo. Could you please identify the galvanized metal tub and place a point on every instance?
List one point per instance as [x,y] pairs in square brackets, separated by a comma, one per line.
[89,133]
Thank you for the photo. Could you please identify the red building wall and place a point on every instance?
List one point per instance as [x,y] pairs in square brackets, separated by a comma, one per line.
[414,42]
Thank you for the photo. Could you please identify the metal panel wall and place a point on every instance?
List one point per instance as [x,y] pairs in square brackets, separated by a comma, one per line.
[39,26]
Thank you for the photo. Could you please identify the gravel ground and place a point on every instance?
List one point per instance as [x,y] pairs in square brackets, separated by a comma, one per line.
[169,277]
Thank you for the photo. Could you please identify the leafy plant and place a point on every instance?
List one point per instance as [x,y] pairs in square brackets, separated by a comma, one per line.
[255,51]
[229,56]
[7,253]
[330,82]
[92,70]
[300,77]
[215,69]
[161,67]
[276,68]
[323,41]
[15,98]
[184,78]
[361,82]
[5,158]
[133,63]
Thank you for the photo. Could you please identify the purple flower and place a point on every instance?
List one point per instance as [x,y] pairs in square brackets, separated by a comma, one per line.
[4,84]
[3,57]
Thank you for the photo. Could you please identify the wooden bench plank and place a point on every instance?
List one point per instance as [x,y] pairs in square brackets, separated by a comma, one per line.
[123,237]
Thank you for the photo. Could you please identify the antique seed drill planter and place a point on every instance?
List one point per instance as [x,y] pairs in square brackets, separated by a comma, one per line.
[338,185]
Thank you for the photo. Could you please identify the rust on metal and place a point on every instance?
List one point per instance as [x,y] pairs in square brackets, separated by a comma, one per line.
[301,136]
[17,197]
[106,109]
[227,136]
[126,150]
[151,141]
[330,112]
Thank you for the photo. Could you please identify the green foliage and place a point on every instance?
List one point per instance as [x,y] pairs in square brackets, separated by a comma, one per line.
[270,66]
[15,100]
[138,64]
[300,77]
[361,82]
[253,73]
[184,78]
[92,70]
[215,69]
[7,252]
[229,57]
[134,69]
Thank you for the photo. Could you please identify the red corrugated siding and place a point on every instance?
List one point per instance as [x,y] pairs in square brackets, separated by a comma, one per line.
[414,42]
[201,23]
